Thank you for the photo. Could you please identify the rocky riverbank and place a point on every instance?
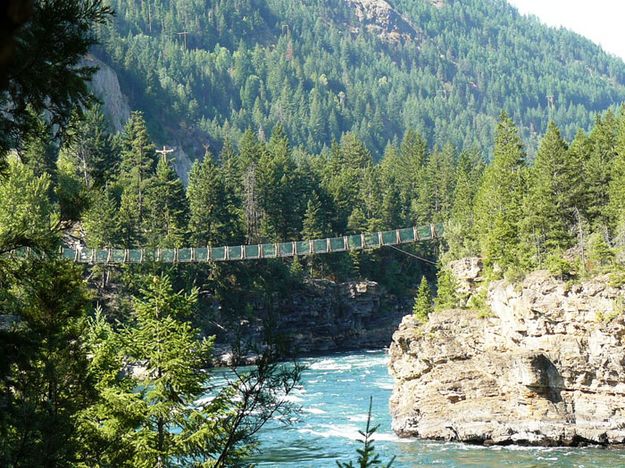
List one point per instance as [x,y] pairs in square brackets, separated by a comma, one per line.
[543,365]
[321,317]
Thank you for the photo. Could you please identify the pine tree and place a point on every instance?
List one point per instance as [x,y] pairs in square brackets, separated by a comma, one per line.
[89,148]
[39,151]
[100,221]
[27,216]
[423,302]
[616,208]
[314,225]
[276,189]
[250,150]
[43,384]
[166,210]
[447,290]
[598,169]
[391,209]
[499,201]
[55,83]
[135,173]
[413,150]
[367,456]
[174,358]
[211,222]
[157,417]
[370,197]
[460,229]
[413,156]
[357,221]
[549,207]
[107,427]
[436,187]
[230,165]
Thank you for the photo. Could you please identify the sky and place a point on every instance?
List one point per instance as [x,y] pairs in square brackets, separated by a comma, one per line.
[601,21]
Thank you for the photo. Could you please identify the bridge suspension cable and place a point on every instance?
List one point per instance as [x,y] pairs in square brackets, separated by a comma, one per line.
[347,243]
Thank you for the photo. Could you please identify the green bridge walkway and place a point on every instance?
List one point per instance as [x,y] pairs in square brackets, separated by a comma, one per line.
[250,252]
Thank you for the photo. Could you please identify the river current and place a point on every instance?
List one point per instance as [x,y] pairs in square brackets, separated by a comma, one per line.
[334,397]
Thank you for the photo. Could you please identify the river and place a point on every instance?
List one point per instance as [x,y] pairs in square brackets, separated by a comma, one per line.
[334,397]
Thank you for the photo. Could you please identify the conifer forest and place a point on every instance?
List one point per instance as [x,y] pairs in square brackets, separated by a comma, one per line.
[301,120]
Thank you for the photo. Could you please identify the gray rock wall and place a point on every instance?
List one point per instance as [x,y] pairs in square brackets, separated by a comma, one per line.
[546,368]
[324,317]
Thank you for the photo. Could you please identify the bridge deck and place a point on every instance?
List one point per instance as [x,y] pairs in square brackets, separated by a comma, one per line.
[352,242]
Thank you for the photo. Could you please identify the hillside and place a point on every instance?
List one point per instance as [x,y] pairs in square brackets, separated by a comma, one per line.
[204,71]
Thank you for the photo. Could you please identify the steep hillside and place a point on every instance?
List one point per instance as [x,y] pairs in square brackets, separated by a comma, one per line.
[207,70]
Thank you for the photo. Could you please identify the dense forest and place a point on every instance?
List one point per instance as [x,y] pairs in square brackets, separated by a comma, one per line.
[107,365]
[206,71]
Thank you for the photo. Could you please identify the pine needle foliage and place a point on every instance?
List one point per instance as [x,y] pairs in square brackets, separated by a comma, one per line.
[367,455]
[423,302]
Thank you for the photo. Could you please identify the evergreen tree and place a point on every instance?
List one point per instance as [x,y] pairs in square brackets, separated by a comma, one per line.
[210,222]
[70,191]
[598,169]
[230,165]
[391,209]
[499,201]
[250,150]
[357,221]
[423,302]
[157,417]
[616,208]
[276,189]
[348,165]
[367,457]
[447,290]
[43,387]
[166,210]
[174,358]
[460,232]
[136,170]
[39,151]
[314,226]
[89,148]
[46,75]
[27,217]
[370,196]
[107,427]
[549,207]
[100,221]
[436,187]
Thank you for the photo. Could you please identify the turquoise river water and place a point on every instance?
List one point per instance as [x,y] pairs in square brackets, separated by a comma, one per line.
[334,397]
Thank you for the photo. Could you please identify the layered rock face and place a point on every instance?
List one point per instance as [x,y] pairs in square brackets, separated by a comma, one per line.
[547,367]
[321,317]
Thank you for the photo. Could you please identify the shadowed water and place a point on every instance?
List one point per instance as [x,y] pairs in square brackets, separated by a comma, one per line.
[334,397]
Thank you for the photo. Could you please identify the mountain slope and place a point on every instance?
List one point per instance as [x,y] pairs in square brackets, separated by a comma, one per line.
[206,70]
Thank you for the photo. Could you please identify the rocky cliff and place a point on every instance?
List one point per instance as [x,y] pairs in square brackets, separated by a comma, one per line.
[321,317]
[546,366]
[380,18]
[105,86]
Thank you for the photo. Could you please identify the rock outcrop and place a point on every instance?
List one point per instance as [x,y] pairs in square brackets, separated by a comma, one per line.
[105,86]
[380,18]
[321,317]
[545,367]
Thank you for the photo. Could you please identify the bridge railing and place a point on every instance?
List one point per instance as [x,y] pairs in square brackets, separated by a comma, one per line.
[351,242]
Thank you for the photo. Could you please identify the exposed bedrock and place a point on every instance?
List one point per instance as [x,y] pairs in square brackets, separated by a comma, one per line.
[322,316]
[547,367]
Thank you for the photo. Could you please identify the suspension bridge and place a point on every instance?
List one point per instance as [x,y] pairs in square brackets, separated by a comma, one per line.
[354,242]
